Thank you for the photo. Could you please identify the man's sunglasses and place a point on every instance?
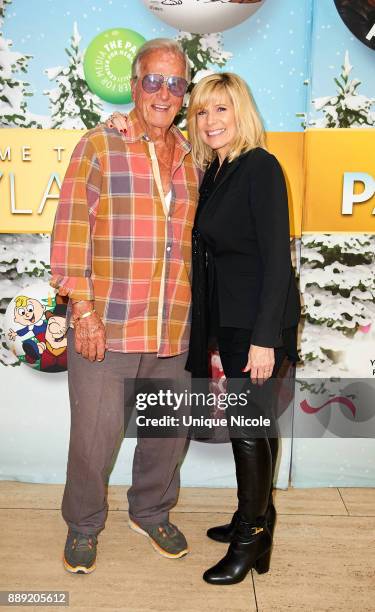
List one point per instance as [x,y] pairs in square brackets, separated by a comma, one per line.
[151,83]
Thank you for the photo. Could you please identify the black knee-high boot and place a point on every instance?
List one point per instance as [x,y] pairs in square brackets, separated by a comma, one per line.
[271,510]
[253,460]
[252,541]
[255,464]
[225,533]
[274,447]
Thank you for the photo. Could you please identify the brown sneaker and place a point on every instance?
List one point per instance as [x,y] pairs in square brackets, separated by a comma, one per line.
[166,538]
[80,553]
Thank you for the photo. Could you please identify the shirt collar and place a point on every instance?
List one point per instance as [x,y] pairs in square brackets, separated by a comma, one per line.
[136,132]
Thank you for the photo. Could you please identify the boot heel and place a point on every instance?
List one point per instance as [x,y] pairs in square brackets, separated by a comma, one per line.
[262,564]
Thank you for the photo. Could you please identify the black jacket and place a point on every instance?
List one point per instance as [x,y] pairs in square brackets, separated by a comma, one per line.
[243,223]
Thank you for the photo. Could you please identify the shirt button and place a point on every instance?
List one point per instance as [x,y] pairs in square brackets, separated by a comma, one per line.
[169,217]
[168,248]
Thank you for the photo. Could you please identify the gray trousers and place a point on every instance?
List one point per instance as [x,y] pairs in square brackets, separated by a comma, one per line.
[96,391]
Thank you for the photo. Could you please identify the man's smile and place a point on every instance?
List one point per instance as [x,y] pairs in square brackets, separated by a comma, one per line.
[161,108]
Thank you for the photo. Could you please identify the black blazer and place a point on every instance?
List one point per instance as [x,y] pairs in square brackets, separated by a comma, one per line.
[243,222]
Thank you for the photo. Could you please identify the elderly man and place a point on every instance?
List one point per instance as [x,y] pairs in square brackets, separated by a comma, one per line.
[121,251]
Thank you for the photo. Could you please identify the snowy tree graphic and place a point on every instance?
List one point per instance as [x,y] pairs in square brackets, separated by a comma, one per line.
[13,90]
[338,287]
[73,106]
[337,270]
[346,108]
[3,7]
[204,52]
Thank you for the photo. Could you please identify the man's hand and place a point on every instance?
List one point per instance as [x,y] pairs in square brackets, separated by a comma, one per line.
[260,363]
[89,332]
[63,291]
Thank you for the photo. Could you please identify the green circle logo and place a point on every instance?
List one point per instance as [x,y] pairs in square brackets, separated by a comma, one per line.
[107,64]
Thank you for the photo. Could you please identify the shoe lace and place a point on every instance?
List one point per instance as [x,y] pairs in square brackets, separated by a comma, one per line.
[83,542]
[167,530]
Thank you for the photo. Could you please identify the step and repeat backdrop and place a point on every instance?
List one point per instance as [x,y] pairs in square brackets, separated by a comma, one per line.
[311,68]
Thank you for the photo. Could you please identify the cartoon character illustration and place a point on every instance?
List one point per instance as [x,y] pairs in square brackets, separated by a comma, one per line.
[29,312]
[53,342]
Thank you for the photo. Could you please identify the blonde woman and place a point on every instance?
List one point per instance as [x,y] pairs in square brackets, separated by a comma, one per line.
[244,280]
[244,296]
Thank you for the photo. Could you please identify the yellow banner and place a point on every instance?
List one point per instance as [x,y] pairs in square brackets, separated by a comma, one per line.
[288,148]
[340,181]
[32,167]
[337,166]
[33,164]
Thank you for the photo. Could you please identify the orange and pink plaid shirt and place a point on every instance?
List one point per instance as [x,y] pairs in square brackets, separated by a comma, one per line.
[114,241]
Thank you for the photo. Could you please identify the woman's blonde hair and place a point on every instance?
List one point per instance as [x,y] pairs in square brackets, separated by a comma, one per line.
[250,131]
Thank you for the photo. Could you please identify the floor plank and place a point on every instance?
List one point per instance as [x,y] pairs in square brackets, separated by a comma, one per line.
[130,575]
[324,501]
[359,502]
[323,558]
[293,501]
[30,495]
[320,564]
[192,499]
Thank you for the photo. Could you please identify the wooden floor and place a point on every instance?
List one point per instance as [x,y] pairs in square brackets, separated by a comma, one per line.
[323,559]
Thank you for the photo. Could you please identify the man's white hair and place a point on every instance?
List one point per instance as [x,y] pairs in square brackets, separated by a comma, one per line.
[160,44]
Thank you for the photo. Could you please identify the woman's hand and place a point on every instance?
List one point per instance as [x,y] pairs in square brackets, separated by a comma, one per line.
[118,121]
[260,363]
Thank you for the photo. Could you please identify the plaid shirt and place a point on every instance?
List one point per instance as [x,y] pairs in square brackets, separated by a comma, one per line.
[114,241]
